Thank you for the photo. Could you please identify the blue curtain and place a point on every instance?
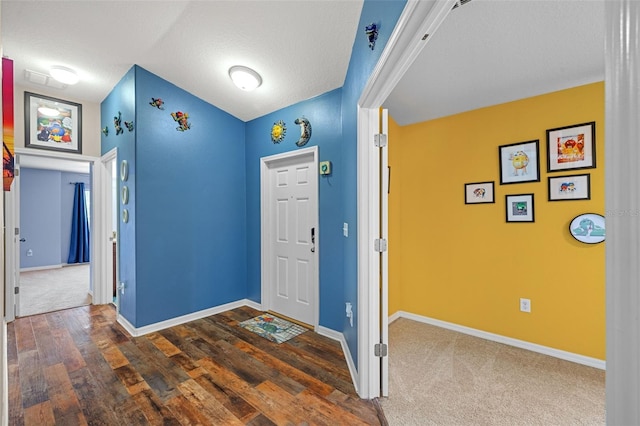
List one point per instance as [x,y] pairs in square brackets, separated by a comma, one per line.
[79,247]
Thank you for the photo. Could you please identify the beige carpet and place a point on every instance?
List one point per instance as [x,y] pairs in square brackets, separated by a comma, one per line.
[441,377]
[54,289]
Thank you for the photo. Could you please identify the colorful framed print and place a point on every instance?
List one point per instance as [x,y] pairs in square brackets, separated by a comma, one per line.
[588,228]
[519,162]
[52,124]
[571,147]
[520,208]
[570,187]
[479,193]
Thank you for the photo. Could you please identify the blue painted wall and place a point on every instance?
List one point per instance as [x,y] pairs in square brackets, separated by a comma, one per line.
[363,60]
[40,217]
[184,247]
[323,112]
[46,202]
[191,205]
[122,99]
[197,211]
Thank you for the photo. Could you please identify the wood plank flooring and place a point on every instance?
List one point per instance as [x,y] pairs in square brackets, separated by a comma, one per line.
[79,367]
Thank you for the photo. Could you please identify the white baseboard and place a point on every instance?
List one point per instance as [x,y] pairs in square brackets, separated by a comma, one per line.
[41,268]
[557,353]
[336,335]
[141,331]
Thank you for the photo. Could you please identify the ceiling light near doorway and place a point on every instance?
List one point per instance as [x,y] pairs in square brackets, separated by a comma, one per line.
[245,78]
[64,75]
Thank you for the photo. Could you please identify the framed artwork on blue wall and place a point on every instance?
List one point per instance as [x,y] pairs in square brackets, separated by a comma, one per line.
[52,124]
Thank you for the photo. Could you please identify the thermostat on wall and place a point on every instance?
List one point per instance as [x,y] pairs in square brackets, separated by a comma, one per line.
[325,167]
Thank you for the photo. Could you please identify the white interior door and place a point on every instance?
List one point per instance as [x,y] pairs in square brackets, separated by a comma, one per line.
[13,242]
[384,255]
[108,223]
[290,187]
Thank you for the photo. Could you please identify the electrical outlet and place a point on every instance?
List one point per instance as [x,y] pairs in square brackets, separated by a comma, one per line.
[525,305]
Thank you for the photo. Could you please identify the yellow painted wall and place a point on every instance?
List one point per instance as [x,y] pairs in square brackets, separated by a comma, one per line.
[463,263]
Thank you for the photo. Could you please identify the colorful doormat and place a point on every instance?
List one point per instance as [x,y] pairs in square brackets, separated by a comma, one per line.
[273,328]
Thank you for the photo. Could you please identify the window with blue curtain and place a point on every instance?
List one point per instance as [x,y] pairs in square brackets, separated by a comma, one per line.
[79,245]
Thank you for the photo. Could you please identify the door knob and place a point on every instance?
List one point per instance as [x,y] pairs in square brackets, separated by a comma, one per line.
[22,240]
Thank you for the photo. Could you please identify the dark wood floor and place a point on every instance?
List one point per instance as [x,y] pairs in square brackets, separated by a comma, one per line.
[79,367]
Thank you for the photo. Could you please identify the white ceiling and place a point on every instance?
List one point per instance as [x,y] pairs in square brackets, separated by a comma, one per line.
[189,43]
[486,52]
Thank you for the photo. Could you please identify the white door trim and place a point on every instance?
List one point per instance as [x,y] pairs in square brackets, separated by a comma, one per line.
[406,42]
[13,204]
[12,244]
[104,293]
[265,247]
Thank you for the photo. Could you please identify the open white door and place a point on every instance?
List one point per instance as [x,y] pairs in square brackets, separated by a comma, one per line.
[13,242]
[415,27]
[107,225]
[384,255]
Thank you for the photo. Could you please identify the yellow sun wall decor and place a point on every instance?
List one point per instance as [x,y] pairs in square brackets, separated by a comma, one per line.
[278,131]
[465,264]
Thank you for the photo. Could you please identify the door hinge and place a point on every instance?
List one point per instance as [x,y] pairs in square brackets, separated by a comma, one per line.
[16,290]
[380,140]
[16,231]
[16,172]
[380,245]
[380,350]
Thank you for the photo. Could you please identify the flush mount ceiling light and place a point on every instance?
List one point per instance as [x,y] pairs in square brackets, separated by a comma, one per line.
[245,78]
[64,75]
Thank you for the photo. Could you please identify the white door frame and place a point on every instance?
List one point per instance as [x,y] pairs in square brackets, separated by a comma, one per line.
[104,226]
[265,231]
[13,205]
[418,18]
[12,244]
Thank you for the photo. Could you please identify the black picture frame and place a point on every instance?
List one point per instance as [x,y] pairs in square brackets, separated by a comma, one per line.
[520,208]
[61,131]
[569,187]
[519,162]
[571,147]
[479,193]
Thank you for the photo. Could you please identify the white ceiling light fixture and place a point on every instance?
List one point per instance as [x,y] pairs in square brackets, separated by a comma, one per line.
[64,75]
[245,78]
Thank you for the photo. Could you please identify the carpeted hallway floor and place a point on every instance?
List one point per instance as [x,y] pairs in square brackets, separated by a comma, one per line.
[50,290]
[441,377]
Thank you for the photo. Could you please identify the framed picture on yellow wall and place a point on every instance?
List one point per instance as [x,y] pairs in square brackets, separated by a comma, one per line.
[519,162]
[571,147]
[569,187]
[520,208]
[479,193]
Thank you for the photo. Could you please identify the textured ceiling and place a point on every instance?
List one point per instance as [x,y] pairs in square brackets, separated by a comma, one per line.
[488,52]
[189,43]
